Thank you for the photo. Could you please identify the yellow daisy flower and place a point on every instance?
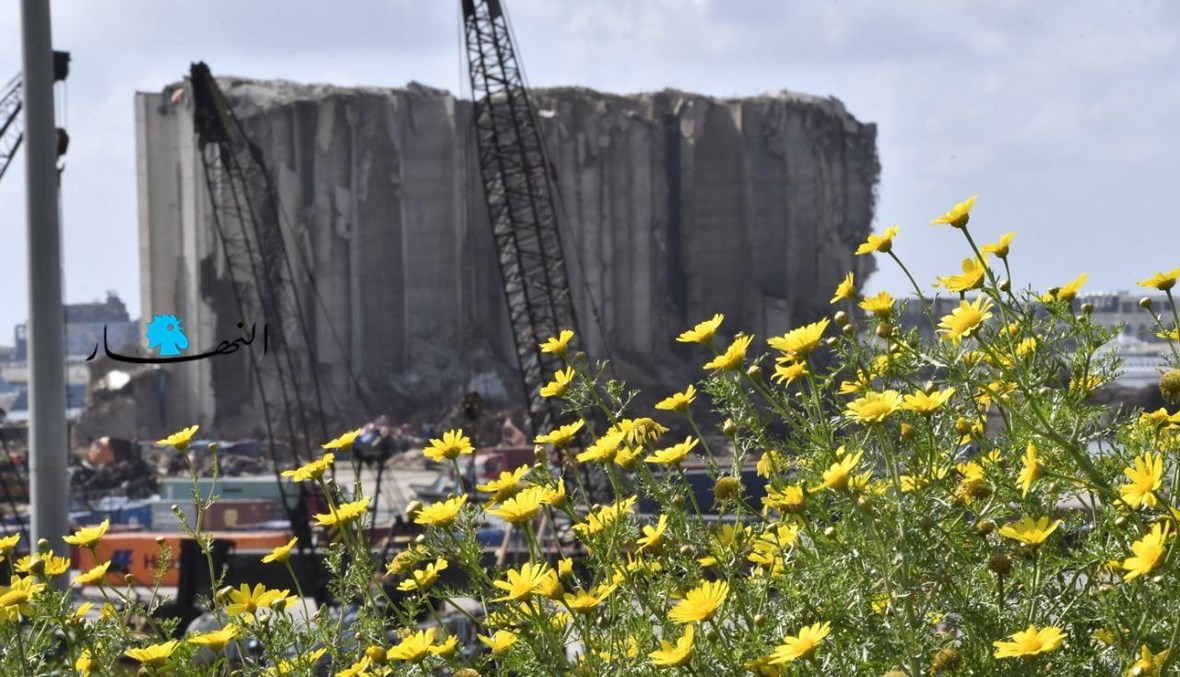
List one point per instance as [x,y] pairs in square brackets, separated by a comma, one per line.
[1148,551]
[959,215]
[880,305]
[999,247]
[674,655]
[701,603]
[873,407]
[879,243]
[678,401]
[344,442]
[558,345]
[801,646]
[1146,478]
[179,440]
[562,436]
[441,514]
[500,642]
[88,537]
[802,341]
[217,639]
[345,513]
[675,454]
[703,332]
[845,291]
[966,320]
[413,648]
[155,655]
[1162,281]
[974,272]
[95,575]
[313,470]
[421,579]
[281,553]
[1030,532]
[561,379]
[452,445]
[927,403]
[1031,642]
[522,507]
[733,356]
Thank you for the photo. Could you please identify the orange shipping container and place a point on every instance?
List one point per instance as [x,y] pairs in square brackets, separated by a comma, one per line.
[138,554]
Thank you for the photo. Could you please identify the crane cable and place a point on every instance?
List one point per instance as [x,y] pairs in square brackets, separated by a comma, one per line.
[555,187]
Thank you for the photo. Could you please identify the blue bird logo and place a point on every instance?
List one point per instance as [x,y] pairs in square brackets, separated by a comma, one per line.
[164,332]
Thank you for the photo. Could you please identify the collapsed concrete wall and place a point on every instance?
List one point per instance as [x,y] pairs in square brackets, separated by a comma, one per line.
[674,206]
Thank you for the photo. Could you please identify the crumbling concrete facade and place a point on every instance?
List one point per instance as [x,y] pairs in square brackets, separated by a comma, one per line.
[674,206]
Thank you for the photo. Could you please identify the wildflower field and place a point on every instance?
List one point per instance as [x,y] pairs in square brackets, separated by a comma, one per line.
[952,506]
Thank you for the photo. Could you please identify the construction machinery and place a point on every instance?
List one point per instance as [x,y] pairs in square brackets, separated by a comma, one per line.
[521,199]
[261,268]
[12,128]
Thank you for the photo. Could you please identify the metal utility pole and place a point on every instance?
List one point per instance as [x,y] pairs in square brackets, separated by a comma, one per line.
[47,382]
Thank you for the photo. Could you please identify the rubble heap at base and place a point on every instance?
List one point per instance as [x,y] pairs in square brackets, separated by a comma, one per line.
[675,206]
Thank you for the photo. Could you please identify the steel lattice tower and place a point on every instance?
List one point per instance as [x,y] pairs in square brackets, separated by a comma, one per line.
[520,197]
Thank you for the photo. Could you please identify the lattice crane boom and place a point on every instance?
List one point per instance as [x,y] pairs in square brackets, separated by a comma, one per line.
[12,125]
[520,198]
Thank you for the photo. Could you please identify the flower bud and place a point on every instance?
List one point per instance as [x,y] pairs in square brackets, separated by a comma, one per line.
[830,532]
[759,620]
[279,604]
[43,545]
[985,527]
[1145,303]
[729,427]
[1170,386]
[420,539]
[161,541]
[467,672]
[1005,285]
[907,432]
[1087,308]
[885,330]
[413,507]
[947,660]
[727,488]
[864,504]
[678,501]
[926,522]
[712,635]
[848,330]
[213,447]
[1000,564]
[686,550]
[962,426]
[222,595]
[754,372]
[376,654]
[841,318]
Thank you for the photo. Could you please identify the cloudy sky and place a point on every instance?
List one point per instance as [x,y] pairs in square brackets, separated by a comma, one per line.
[1063,116]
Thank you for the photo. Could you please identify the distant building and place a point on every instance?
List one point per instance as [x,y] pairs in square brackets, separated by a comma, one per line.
[84,329]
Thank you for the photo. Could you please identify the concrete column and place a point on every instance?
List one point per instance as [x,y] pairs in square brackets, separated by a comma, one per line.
[47,380]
